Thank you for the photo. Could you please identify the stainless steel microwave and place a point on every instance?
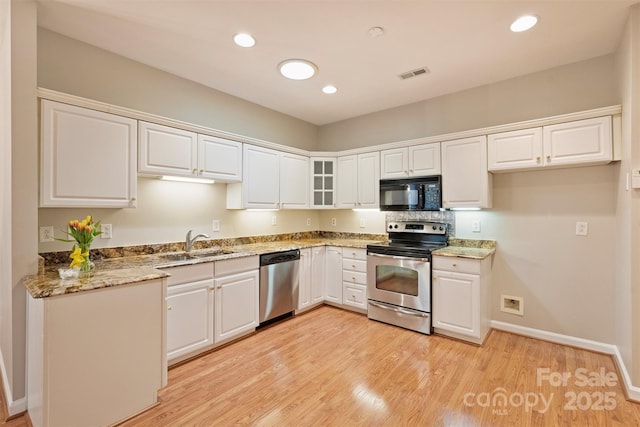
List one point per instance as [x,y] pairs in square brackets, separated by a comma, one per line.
[412,194]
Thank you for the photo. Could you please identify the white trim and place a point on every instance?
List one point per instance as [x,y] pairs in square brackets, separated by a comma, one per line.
[633,392]
[140,115]
[14,407]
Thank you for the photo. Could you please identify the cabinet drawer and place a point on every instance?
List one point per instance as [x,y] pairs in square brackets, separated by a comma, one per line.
[355,295]
[237,265]
[189,273]
[461,265]
[353,253]
[354,277]
[354,265]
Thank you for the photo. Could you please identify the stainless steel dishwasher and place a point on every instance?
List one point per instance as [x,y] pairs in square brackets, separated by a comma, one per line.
[278,284]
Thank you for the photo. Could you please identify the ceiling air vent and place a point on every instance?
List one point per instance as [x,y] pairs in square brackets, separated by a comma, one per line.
[414,73]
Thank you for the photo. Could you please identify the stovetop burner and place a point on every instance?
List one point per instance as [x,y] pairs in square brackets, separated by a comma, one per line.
[412,239]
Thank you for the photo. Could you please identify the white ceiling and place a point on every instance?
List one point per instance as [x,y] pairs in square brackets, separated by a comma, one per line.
[463,43]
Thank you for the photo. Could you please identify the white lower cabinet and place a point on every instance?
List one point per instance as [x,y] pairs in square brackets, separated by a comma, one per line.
[461,297]
[354,278]
[206,309]
[311,274]
[236,298]
[318,261]
[236,303]
[304,280]
[333,271]
[189,310]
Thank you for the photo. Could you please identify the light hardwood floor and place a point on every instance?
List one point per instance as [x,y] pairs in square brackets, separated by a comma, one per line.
[331,367]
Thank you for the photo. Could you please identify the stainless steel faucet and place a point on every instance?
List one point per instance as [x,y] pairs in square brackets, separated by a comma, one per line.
[190,241]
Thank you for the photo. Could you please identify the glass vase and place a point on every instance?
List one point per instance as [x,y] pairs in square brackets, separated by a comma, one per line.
[87,267]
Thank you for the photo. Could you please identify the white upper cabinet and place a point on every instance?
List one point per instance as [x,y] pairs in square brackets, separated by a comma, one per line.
[88,158]
[359,181]
[294,181]
[166,150]
[271,180]
[519,149]
[577,143]
[219,158]
[323,182]
[466,183]
[417,160]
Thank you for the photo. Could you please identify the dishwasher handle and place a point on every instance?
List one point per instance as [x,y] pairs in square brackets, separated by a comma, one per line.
[279,257]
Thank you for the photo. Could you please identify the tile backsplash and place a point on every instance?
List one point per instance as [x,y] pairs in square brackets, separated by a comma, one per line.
[447,217]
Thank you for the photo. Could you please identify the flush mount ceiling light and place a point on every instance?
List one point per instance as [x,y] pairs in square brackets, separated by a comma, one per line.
[244,40]
[297,69]
[375,32]
[523,23]
[329,89]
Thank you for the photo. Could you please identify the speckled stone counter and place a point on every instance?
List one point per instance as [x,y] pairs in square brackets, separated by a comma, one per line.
[121,270]
[468,248]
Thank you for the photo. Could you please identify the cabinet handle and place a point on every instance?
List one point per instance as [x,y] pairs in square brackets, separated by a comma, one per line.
[169,308]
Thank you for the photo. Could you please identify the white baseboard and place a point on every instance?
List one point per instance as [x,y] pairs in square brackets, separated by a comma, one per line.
[633,392]
[14,407]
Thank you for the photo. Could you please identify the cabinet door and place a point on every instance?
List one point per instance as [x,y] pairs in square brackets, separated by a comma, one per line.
[236,305]
[333,283]
[465,179]
[261,171]
[318,255]
[304,279]
[88,158]
[219,159]
[579,142]
[519,149]
[347,187]
[456,302]
[424,160]
[369,180]
[323,186]
[167,151]
[294,181]
[394,163]
[189,318]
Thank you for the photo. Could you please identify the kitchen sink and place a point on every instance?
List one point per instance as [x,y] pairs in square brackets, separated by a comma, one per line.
[183,256]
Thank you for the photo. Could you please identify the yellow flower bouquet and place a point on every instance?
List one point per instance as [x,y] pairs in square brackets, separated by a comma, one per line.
[82,233]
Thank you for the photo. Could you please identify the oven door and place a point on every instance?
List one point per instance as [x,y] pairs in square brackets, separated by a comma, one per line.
[399,280]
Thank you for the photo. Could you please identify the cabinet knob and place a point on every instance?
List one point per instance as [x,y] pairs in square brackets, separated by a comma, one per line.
[538,159]
[133,199]
[169,308]
[353,266]
[195,171]
[219,287]
[454,265]
[353,278]
[548,158]
[200,171]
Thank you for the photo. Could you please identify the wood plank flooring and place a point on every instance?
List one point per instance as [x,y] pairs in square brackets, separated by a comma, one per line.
[331,367]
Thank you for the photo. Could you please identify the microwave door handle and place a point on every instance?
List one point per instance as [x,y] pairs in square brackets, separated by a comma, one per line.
[421,193]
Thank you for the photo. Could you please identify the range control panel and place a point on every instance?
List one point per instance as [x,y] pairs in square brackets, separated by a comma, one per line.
[417,227]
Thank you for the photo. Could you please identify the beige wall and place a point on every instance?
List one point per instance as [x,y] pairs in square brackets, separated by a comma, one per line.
[73,67]
[566,89]
[19,188]
[628,240]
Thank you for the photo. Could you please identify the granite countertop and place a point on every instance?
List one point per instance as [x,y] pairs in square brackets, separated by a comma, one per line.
[131,269]
[468,248]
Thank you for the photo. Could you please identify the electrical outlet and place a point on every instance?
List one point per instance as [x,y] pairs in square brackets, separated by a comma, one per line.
[107,231]
[333,221]
[46,233]
[308,221]
[274,220]
[215,225]
[363,223]
[582,228]
[512,305]
[475,226]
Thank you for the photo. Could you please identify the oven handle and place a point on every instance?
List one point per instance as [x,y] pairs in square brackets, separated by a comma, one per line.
[398,309]
[400,257]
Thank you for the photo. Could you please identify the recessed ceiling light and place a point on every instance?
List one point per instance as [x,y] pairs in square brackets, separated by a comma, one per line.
[297,69]
[523,23]
[329,89]
[244,40]
[376,32]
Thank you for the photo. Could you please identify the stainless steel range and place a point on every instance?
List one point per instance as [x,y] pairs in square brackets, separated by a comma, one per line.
[399,274]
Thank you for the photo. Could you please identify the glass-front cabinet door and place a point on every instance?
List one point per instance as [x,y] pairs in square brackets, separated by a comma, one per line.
[323,179]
